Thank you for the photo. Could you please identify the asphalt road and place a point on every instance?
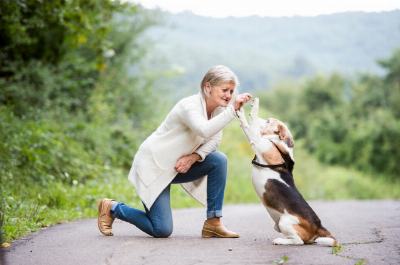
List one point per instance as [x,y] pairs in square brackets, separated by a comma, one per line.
[369,232]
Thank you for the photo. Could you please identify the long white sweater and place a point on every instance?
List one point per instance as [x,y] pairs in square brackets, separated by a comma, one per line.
[185,130]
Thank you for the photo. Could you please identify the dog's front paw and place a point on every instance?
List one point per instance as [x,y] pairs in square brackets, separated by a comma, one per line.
[254,108]
[280,241]
[240,112]
[243,122]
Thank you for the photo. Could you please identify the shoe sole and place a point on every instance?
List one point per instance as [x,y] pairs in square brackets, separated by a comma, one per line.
[209,234]
[100,208]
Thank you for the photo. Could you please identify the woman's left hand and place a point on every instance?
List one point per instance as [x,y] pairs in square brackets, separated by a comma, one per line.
[241,99]
[185,162]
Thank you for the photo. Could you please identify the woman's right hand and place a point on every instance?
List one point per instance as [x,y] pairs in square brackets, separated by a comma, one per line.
[185,162]
[242,99]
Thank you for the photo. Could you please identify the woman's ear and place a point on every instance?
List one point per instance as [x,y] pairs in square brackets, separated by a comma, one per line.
[208,88]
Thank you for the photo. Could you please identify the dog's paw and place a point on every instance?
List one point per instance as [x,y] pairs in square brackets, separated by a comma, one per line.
[287,241]
[280,241]
[254,109]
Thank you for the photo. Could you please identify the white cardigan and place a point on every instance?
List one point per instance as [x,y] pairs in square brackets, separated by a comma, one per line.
[185,130]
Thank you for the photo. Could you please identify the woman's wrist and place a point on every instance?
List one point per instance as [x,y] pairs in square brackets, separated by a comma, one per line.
[196,157]
[241,100]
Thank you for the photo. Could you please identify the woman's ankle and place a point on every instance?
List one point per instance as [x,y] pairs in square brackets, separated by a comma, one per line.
[214,221]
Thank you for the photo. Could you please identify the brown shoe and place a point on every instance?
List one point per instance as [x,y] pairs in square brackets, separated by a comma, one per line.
[105,219]
[217,231]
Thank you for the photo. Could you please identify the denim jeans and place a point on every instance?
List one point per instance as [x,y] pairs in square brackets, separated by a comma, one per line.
[157,221]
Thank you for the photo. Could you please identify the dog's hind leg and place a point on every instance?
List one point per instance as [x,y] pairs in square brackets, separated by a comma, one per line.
[325,238]
[286,226]
[326,241]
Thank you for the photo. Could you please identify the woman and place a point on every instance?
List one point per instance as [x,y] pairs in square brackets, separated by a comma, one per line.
[182,150]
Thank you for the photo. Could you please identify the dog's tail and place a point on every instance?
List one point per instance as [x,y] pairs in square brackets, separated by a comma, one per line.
[325,238]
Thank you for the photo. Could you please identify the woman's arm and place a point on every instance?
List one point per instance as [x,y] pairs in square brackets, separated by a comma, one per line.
[194,117]
[210,146]
[195,120]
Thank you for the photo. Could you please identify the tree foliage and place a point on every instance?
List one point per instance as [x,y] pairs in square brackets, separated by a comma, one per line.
[68,61]
[352,123]
[71,110]
[265,51]
[53,52]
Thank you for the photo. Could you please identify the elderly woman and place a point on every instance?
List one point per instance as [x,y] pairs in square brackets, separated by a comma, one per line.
[182,150]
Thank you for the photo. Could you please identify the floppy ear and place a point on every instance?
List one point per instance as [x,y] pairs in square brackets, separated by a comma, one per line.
[285,135]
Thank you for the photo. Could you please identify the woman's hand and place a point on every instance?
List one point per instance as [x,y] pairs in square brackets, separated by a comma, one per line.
[185,162]
[241,99]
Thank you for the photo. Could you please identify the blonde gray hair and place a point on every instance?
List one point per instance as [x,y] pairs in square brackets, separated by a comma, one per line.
[217,75]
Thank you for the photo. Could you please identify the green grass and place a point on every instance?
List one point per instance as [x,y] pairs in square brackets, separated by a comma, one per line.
[31,207]
[337,249]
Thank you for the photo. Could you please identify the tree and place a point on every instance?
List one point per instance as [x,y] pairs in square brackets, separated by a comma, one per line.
[52,52]
[392,82]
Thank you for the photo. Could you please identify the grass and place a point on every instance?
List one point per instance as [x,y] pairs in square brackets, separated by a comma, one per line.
[337,249]
[282,260]
[28,206]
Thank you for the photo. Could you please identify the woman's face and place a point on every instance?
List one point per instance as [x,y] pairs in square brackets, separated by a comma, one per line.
[221,94]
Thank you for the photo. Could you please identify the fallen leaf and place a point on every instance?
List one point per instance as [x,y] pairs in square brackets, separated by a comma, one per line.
[5,245]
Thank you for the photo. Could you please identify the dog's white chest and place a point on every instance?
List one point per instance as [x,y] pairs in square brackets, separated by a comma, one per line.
[260,178]
[259,181]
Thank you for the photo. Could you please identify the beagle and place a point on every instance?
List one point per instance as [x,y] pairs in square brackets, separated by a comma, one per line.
[273,181]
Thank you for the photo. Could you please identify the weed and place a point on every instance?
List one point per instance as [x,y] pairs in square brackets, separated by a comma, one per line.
[337,249]
[282,260]
[360,262]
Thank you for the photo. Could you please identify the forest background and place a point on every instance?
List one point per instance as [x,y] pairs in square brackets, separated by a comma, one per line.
[82,83]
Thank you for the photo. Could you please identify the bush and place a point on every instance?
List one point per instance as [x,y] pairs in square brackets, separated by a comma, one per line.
[71,115]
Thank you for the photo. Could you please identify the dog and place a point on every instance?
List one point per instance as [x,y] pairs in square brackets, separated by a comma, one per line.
[272,177]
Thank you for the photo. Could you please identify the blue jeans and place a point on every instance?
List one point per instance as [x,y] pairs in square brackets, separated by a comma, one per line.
[157,221]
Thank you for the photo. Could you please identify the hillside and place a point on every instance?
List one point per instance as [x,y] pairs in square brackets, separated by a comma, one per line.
[264,51]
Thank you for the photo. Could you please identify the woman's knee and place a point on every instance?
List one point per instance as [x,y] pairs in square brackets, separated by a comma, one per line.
[218,158]
[162,232]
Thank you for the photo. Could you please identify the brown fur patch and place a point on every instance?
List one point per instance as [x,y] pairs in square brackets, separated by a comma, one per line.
[306,231]
[273,156]
[285,135]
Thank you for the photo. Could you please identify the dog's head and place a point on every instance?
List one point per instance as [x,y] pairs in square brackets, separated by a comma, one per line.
[274,126]
[278,133]
[270,129]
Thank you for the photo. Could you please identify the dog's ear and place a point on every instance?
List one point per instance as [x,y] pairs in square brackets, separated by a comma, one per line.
[285,135]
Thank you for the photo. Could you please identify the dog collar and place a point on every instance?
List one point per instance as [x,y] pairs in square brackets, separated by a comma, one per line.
[254,162]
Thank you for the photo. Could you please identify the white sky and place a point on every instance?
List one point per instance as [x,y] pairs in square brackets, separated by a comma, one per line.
[223,8]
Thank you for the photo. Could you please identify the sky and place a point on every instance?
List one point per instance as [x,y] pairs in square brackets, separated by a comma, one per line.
[274,8]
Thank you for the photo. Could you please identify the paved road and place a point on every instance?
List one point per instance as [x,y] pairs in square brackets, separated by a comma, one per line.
[368,230]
